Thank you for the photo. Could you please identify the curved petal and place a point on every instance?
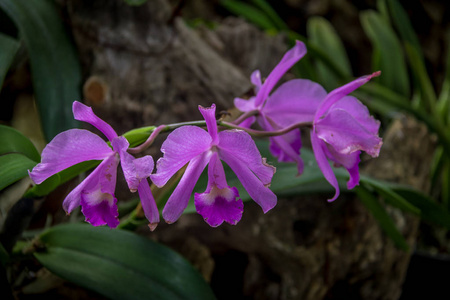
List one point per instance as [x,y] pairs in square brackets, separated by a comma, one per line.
[84,113]
[148,204]
[240,144]
[67,149]
[348,161]
[134,169]
[209,114]
[182,145]
[288,60]
[359,112]
[286,147]
[255,78]
[179,199]
[245,105]
[294,101]
[345,134]
[319,149]
[219,205]
[336,94]
[247,123]
[258,191]
[95,194]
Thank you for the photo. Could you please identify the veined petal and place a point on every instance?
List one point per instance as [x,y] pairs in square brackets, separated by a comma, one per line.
[219,205]
[288,60]
[180,197]
[182,145]
[294,101]
[96,195]
[345,134]
[319,149]
[209,113]
[216,174]
[100,208]
[134,169]
[67,149]
[336,94]
[257,190]
[84,113]
[359,112]
[148,204]
[240,145]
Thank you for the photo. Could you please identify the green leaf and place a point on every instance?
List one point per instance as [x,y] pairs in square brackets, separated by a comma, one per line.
[55,69]
[12,141]
[420,74]
[443,106]
[119,264]
[271,14]
[250,13]
[430,210]
[390,195]
[380,214]
[9,48]
[14,166]
[135,2]
[322,34]
[391,58]
[403,25]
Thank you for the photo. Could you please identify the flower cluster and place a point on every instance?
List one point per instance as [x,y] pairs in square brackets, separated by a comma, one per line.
[340,128]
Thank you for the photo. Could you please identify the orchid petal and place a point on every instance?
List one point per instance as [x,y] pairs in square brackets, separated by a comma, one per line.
[219,205]
[100,209]
[359,112]
[319,152]
[245,105]
[348,161]
[179,199]
[247,123]
[209,114]
[95,189]
[294,101]
[182,145]
[240,144]
[84,113]
[216,174]
[67,149]
[255,78]
[258,191]
[288,60]
[133,169]
[148,204]
[286,148]
[336,94]
[340,129]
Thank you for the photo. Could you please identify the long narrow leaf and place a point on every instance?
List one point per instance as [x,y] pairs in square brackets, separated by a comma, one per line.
[119,264]
[391,58]
[9,47]
[56,72]
[271,14]
[323,35]
[15,142]
[250,13]
[14,166]
[380,214]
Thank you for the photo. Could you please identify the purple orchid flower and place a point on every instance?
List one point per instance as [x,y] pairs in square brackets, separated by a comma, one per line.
[219,203]
[95,193]
[287,105]
[342,128]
